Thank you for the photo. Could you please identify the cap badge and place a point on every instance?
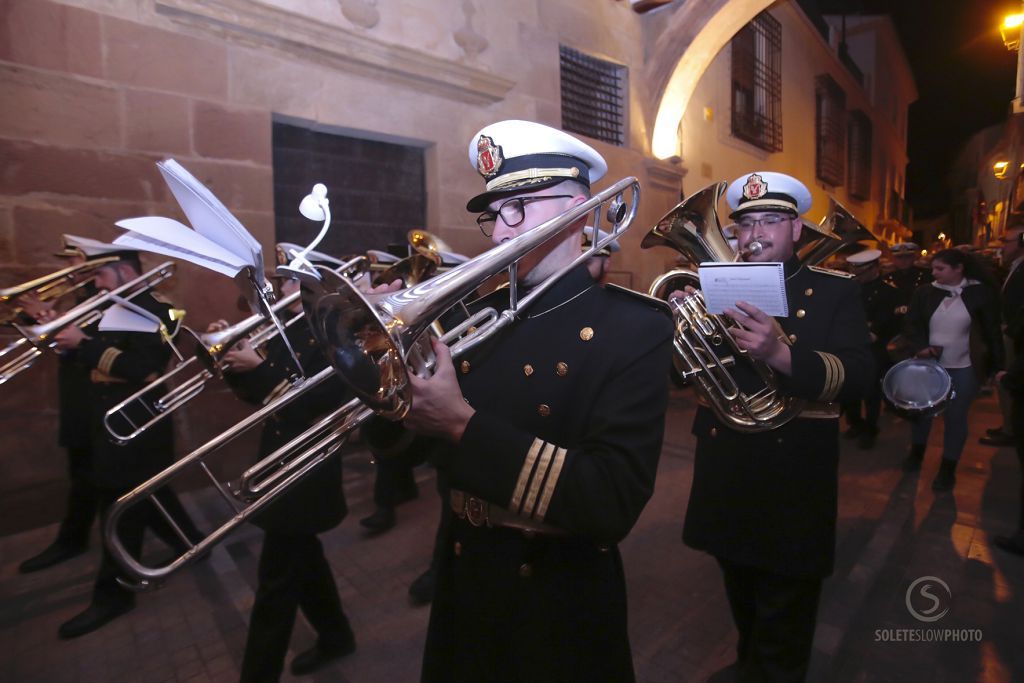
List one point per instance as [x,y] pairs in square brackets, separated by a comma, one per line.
[755,188]
[488,157]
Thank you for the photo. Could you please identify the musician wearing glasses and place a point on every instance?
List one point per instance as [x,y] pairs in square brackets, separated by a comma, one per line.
[764,503]
[118,364]
[293,571]
[547,437]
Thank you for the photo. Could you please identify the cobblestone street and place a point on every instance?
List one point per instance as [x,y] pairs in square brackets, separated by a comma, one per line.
[892,530]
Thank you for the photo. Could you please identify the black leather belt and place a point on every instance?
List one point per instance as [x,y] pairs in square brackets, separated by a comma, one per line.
[479,512]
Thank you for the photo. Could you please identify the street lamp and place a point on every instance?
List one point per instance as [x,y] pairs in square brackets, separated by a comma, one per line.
[999,169]
[1010,30]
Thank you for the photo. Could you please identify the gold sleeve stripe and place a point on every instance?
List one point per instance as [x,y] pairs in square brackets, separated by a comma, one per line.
[543,462]
[835,374]
[524,475]
[107,359]
[284,386]
[549,485]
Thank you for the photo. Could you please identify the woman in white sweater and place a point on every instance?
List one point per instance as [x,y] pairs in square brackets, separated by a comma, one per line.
[954,320]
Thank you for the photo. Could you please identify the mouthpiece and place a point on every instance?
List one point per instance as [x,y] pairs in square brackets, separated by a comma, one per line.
[752,249]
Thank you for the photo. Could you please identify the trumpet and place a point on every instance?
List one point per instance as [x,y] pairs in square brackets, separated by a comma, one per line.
[52,287]
[123,421]
[16,358]
[388,336]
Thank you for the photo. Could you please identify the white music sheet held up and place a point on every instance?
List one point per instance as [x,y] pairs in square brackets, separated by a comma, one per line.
[760,284]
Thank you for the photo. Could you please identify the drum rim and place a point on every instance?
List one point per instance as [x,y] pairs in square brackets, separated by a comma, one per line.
[919,407]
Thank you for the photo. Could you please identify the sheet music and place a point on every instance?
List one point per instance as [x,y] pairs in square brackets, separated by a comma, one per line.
[760,284]
[169,237]
[208,215]
[118,318]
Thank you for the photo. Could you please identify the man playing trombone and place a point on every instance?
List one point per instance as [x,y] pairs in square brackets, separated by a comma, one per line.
[293,572]
[118,364]
[548,438]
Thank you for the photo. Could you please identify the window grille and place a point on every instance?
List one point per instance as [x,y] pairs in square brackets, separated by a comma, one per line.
[830,130]
[860,155]
[593,96]
[757,83]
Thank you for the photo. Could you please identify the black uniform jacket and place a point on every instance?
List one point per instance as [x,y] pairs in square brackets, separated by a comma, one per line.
[881,300]
[768,499]
[317,503]
[1013,303]
[570,404]
[986,341]
[118,365]
[906,281]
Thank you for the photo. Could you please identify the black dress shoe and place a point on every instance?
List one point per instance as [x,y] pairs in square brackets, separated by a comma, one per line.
[316,657]
[56,553]
[380,521]
[94,616]
[1011,544]
[421,591]
[995,431]
[1001,439]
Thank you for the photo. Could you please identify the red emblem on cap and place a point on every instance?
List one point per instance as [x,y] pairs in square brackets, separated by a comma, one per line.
[488,157]
[755,187]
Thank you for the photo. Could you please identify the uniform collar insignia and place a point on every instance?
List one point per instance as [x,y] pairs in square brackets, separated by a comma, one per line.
[488,157]
[755,187]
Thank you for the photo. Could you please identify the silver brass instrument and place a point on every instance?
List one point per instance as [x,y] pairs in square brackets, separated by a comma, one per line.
[56,285]
[380,334]
[205,364]
[706,353]
[21,354]
[836,230]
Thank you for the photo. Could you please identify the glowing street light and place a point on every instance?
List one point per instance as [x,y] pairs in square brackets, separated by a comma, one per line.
[1010,30]
[999,168]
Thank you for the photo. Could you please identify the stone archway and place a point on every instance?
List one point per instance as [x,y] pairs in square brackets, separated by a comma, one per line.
[683,51]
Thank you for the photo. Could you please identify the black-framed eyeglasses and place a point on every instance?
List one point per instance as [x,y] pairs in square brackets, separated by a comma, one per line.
[512,212]
[771,220]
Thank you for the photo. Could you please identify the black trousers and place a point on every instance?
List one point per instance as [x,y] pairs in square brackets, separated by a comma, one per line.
[395,482]
[82,502]
[1017,412]
[131,529]
[293,574]
[872,409]
[775,616]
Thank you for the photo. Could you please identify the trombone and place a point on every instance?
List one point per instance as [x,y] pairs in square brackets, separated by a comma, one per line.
[123,422]
[387,337]
[52,287]
[21,354]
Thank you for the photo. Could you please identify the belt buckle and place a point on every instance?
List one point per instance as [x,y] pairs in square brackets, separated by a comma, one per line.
[476,511]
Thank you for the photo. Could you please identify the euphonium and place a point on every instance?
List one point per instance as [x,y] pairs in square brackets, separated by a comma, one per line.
[373,342]
[706,353]
[836,230]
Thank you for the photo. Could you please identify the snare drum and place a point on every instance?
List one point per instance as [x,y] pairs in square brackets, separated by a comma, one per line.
[917,388]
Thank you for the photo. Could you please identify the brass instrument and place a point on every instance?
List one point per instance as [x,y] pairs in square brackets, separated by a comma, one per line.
[383,335]
[706,353]
[122,420]
[17,357]
[836,230]
[52,287]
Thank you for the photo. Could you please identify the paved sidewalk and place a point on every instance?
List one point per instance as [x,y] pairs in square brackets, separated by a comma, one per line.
[892,531]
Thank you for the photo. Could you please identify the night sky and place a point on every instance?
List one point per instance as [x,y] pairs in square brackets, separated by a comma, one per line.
[965,78]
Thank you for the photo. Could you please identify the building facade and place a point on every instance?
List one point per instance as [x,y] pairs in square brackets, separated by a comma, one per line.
[260,98]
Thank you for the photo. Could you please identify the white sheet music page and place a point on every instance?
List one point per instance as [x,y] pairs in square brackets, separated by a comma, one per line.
[167,236]
[760,284]
[120,318]
[209,216]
